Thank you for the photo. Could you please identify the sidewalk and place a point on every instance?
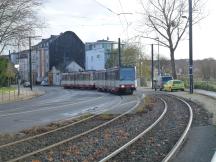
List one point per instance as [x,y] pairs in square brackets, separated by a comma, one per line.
[200,145]
[25,93]
[206,93]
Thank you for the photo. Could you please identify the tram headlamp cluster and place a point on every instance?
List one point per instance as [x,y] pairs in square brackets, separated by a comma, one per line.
[122,86]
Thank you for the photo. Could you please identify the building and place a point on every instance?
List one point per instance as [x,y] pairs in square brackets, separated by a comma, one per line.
[97,54]
[51,57]
[24,65]
[40,59]
[65,49]
[14,57]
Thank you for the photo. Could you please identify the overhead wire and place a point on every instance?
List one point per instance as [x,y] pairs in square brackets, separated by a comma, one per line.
[110,10]
[123,12]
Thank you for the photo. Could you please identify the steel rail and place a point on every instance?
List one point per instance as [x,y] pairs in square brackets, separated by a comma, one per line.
[113,154]
[181,139]
[76,136]
[54,130]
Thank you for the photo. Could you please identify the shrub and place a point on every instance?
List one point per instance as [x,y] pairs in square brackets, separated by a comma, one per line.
[205,86]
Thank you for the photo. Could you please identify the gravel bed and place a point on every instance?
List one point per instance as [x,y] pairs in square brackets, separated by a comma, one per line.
[11,137]
[96,145]
[19,149]
[157,143]
[201,116]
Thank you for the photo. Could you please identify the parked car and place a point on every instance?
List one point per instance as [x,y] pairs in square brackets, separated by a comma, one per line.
[44,83]
[161,80]
[174,85]
[26,84]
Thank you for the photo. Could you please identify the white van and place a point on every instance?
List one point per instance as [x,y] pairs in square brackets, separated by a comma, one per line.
[163,79]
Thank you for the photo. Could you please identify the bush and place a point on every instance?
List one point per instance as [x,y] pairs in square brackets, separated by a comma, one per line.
[205,86]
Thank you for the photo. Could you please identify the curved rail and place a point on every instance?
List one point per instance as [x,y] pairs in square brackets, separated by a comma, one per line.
[181,139]
[176,146]
[76,136]
[57,129]
[137,137]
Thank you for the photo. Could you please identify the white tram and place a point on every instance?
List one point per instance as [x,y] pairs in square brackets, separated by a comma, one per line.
[115,80]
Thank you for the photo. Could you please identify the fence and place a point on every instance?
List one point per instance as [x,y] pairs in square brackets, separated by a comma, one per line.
[11,95]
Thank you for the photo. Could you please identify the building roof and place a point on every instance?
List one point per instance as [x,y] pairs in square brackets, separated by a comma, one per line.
[44,41]
[101,42]
[68,32]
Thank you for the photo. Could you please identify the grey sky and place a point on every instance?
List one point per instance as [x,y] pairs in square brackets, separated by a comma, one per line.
[91,21]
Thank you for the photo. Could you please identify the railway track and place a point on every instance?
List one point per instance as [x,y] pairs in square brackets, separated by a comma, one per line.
[20,149]
[151,136]
[162,139]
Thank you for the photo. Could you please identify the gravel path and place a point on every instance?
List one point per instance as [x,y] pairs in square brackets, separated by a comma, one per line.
[98,144]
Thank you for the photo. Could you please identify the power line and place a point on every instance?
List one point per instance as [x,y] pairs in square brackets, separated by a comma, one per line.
[127,24]
[118,14]
[105,7]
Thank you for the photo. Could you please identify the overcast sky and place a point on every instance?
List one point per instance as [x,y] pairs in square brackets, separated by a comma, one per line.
[92,20]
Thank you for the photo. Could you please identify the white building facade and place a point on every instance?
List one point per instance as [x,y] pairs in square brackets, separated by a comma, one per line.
[97,54]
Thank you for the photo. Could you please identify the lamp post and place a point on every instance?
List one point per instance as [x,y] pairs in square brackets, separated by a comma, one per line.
[30,60]
[152,65]
[158,57]
[119,51]
[190,47]
[18,78]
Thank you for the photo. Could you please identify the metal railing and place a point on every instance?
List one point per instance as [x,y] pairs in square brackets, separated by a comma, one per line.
[11,95]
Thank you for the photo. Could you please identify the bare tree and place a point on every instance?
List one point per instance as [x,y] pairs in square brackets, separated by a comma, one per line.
[167,20]
[18,19]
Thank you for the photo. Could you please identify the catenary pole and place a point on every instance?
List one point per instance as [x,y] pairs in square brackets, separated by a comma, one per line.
[30,64]
[30,59]
[190,48]
[119,51]
[152,65]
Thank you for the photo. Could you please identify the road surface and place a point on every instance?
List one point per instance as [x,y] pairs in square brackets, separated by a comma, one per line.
[58,104]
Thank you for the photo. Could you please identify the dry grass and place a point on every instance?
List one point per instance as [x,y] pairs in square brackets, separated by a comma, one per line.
[106,116]
[146,105]
[54,125]
[6,137]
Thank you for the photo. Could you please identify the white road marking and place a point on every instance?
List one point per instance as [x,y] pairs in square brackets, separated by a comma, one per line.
[214,158]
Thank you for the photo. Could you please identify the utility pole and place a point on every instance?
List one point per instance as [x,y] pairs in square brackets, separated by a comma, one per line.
[18,78]
[152,65]
[158,58]
[119,51]
[30,64]
[30,60]
[190,47]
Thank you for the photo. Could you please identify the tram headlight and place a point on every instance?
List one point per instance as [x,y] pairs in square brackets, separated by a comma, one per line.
[122,86]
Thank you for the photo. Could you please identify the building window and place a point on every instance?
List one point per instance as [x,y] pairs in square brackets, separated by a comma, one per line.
[98,56]
[92,58]
[90,47]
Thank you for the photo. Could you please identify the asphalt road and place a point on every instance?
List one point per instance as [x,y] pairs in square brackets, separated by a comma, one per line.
[59,104]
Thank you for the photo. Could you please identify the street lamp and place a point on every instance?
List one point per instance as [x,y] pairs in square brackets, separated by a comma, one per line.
[152,65]
[18,78]
[158,56]
[30,59]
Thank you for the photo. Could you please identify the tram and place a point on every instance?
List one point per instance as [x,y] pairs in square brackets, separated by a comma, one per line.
[116,80]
